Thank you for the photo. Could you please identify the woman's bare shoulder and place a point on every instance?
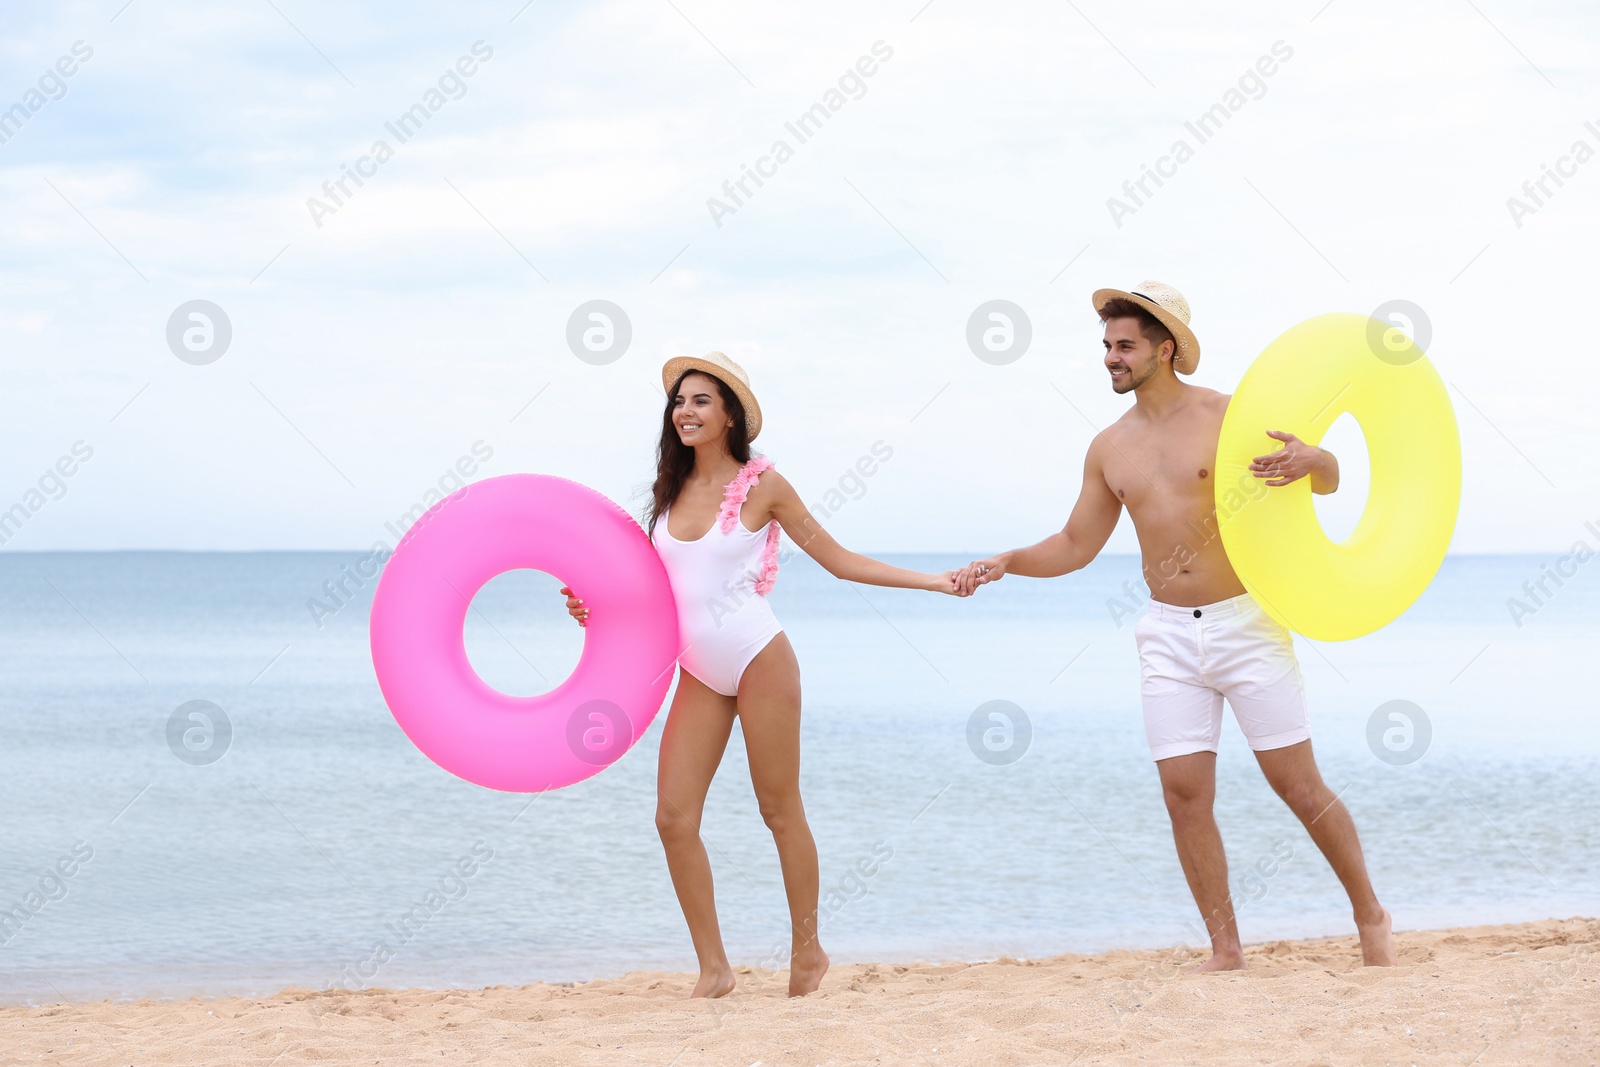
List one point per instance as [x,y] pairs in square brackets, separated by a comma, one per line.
[771,485]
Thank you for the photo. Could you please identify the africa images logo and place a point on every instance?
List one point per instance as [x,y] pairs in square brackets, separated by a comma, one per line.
[407,125]
[806,126]
[1209,123]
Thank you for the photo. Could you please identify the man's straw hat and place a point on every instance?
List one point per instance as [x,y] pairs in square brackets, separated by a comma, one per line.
[1168,305]
[728,372]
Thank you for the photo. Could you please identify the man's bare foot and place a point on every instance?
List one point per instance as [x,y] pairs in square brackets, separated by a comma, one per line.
[1377,942]
[806,969]
[718,983]
[1232,960]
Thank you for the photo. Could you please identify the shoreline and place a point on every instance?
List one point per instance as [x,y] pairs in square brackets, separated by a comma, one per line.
[1524,992]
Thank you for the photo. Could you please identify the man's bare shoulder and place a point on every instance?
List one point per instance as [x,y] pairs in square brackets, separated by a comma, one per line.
[1212,399]
[1108,438]
[1128,422]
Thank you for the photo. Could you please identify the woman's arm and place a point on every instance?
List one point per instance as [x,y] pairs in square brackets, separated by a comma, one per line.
[778,500]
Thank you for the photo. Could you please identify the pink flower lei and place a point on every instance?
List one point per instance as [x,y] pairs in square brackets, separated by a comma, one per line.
[733,499]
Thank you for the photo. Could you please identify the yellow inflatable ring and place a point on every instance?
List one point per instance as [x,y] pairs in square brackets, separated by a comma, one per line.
[1305,379]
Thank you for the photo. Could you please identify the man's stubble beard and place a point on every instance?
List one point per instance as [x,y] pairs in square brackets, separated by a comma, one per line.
[1137,377]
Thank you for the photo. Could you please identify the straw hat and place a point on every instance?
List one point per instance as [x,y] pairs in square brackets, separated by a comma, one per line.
[725,370]
[1168,305]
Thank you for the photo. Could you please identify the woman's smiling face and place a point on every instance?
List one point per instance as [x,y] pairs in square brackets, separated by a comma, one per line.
[698,412]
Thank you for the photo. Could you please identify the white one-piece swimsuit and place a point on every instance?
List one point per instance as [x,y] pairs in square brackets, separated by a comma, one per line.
[720,582]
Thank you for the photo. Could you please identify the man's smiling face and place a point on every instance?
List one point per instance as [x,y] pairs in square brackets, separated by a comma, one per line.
[1130,358]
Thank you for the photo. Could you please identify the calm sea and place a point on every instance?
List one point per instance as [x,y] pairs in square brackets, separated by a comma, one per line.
[323,848]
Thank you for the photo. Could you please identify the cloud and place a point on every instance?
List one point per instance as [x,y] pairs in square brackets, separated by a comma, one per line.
[577,165]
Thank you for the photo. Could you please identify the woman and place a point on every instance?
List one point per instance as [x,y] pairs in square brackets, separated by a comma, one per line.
[714,520]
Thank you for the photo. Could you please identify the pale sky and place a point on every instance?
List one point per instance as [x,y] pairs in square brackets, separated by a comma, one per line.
[370,352]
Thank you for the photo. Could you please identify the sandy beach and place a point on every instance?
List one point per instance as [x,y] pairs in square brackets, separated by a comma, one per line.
[1519,994]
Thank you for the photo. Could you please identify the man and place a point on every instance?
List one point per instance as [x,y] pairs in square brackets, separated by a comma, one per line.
[1203,639]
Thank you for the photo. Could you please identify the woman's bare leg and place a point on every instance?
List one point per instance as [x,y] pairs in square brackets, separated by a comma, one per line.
[769,714]
[691,748]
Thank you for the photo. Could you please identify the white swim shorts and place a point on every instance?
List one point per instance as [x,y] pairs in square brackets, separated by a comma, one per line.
[1191,658]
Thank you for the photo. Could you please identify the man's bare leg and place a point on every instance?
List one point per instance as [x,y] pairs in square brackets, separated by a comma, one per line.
[1293,775]
[1189,784]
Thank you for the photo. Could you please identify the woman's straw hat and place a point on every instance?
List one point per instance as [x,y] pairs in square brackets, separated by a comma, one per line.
[1168,305]
[728,372]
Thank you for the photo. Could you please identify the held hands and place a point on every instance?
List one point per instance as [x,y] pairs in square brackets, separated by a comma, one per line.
[1293,461]
[979,572]
[576,608]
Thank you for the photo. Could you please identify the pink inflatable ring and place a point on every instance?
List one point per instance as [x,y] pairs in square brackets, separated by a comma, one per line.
[419,612]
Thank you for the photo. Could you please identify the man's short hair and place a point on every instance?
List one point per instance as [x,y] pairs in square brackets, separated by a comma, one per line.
[1150,326]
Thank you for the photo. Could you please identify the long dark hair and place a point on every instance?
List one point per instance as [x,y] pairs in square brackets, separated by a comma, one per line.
[674,459]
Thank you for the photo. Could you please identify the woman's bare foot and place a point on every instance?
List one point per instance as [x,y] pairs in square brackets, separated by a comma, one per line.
[718,983]
[1377,941]
[1231,960]
[806,969]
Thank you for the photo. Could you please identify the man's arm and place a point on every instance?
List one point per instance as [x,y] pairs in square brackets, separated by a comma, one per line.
[1088,528]
[1294,461]
[1325,474]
